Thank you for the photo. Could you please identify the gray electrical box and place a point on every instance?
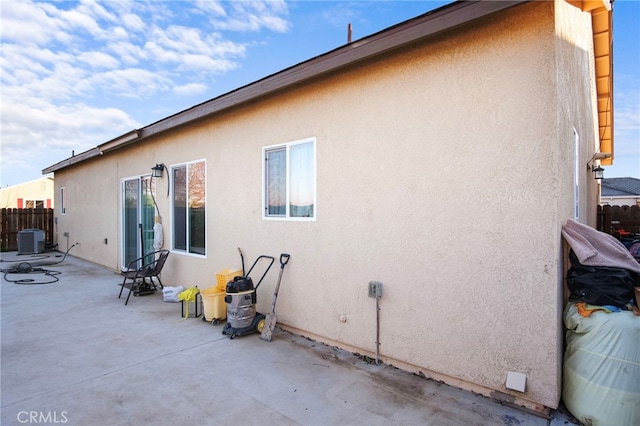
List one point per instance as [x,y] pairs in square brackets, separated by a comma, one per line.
[375,289]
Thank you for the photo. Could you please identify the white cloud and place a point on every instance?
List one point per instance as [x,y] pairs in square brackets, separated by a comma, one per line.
[191,40]
[75,40]
[190,50]
[22,66]
[96,10]
[206,63]
[97,60]
[30,24]
[118,33]
[133,22]
[210,7]
[42,125]
[254,16]
[69,70]
[190,89]
[128,53]
[132,82]
[74,20]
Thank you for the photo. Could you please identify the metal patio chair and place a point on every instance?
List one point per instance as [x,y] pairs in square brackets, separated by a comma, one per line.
[151,266]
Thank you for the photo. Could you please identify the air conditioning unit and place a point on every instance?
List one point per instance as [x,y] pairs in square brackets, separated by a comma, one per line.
[30,241]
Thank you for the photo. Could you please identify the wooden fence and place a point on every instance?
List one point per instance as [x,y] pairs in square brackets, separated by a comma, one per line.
[13,221]
[619,220]
[614,220]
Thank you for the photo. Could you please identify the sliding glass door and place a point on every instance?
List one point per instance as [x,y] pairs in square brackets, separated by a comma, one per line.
[137,218]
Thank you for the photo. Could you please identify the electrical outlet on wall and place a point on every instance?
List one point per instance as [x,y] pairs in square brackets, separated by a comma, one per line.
[375,289]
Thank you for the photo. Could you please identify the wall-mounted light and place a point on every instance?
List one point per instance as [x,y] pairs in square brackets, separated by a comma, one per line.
[598,171]
[156,171]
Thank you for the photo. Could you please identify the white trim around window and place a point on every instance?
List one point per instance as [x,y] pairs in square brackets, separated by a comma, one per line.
[189,207]
[289,181]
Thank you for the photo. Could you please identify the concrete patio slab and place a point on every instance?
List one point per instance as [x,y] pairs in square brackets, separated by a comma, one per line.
[73,353]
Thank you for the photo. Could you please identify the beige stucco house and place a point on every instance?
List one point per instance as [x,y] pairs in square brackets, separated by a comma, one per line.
[34,194]
[439,157]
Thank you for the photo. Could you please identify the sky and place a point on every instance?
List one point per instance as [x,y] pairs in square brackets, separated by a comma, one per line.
[76,74]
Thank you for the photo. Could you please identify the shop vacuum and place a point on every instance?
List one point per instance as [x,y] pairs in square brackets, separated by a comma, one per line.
[240,297]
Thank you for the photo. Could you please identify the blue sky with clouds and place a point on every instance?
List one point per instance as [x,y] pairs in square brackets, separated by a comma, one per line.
[77,74]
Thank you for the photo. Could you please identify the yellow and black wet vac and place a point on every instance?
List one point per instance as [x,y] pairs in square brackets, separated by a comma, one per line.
[240,297]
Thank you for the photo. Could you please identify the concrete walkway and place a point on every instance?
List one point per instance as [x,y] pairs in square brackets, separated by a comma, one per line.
[73,353]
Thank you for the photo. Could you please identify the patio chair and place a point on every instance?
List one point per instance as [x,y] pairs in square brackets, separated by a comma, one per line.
[141,269]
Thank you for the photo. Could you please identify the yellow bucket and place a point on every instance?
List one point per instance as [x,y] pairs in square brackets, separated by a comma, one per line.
[213,305]
[226,275]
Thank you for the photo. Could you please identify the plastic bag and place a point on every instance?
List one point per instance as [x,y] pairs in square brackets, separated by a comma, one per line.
[600,285]
[601,367]
[170,294]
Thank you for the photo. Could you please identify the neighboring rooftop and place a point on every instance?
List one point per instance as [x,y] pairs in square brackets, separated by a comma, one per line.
[620,187]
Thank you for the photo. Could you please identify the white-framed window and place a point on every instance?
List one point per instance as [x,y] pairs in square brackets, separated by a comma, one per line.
[576,175]
[289,180]
[188,204]
[63,200]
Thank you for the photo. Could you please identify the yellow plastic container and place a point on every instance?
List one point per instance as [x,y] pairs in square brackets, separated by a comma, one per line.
[213,305]
[226,275]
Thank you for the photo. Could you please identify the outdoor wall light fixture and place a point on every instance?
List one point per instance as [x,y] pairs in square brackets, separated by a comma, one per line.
[598,171]
[156,171]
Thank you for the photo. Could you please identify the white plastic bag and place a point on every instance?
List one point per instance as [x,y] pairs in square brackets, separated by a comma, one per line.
[601,383]
[170,294]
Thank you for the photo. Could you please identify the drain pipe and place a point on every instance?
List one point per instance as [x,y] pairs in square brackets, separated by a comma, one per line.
[375,290]
[377,329]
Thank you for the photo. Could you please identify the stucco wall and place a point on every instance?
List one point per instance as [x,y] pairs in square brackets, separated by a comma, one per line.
[445,172]
[577,103]
[39,189]
[92,212]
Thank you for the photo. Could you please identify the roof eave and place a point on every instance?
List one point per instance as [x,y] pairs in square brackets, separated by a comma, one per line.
[111,145]
[440,20]
[75,159]
[120,141]
[422,27]
[602,27]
